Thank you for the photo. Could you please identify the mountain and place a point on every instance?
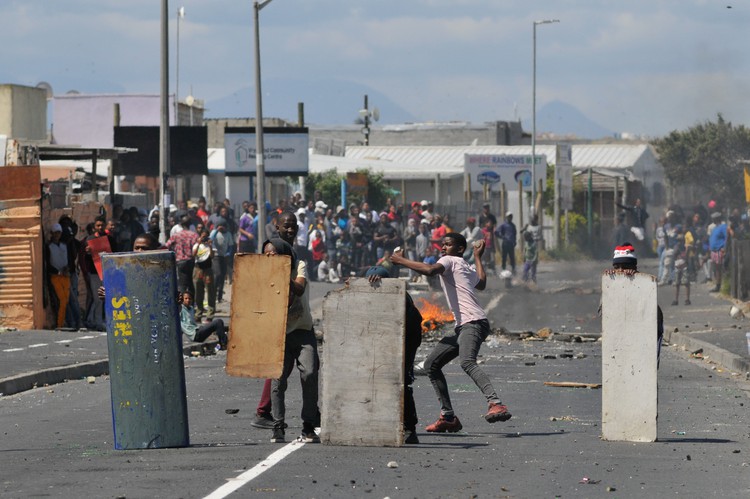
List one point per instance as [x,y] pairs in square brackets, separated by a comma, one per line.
[326,102]
[561,118]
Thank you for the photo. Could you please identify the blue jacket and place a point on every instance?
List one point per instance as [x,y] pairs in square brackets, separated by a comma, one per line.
[507,232]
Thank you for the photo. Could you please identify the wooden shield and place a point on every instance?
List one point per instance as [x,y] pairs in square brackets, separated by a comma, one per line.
[260,299]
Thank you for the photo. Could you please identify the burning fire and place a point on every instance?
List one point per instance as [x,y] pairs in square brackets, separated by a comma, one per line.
[433,316]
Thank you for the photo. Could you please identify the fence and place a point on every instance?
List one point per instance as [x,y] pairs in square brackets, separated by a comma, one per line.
[739,269]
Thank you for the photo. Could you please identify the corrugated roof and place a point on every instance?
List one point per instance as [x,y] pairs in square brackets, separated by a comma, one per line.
[452,157]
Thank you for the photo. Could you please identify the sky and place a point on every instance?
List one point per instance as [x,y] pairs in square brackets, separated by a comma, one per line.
[643,66]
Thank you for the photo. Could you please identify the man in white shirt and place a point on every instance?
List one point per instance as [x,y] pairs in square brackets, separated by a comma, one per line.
[459,280]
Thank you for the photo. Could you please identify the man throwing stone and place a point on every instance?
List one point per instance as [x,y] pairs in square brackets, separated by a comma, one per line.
[459,280]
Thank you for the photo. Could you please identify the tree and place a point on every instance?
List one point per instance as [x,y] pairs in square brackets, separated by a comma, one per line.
[329,185]
[707,155]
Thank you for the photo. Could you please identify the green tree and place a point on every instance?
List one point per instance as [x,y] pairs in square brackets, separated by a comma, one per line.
[329,185]
[707,155]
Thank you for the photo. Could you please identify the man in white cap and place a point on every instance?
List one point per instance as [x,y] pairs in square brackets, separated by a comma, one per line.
[320,207]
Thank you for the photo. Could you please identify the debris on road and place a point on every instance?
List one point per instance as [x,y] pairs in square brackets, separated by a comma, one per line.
[91,380]
[572,384]
[392,464]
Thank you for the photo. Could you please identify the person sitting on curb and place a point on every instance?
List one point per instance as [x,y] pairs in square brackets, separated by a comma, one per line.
[190,327]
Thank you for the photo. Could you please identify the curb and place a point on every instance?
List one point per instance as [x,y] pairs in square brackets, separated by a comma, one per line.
[731,361]
[54,375]
[27,381]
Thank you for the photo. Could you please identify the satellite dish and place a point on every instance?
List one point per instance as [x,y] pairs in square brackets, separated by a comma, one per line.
[47,87]
[72,92]
[190,100]
[375,113]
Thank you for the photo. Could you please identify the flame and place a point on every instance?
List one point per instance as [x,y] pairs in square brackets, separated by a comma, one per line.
[433,316]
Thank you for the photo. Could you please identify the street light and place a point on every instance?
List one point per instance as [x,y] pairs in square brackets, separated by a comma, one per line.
[180,15]
[164,164]
[259,163]
[533,117]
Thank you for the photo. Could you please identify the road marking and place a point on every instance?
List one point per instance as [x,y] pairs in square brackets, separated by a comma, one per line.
[64,341]
[38,345]
[493,302]
[13,350]
[242,479]
[86,337]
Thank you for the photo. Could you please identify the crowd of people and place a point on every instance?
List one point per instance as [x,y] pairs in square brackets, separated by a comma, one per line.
[335,242]
[692,244]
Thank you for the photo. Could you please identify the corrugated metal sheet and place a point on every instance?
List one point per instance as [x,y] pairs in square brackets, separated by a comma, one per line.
[16,283]
[622,156]
[21,266]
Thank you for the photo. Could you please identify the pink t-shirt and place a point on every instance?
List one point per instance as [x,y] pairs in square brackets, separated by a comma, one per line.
[458,282]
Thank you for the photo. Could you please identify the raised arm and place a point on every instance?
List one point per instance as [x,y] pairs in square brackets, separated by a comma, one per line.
[397,258]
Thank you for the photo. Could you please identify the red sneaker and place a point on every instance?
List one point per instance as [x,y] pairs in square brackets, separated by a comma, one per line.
[442,425]
[496,413]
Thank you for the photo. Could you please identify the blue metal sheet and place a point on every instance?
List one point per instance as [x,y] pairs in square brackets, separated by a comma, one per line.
[147,377]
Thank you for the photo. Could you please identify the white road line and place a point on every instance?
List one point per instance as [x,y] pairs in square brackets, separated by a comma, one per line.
[241,480]
[64,341]
[38,345]
[13,350]
[86,337]
[493,302]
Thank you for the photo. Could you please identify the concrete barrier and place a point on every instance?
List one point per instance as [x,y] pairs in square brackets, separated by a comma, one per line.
[629,348]
[363,364]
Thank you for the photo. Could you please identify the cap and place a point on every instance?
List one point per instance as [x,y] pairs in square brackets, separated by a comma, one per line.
[624,254]
[471,220]
[301,211]
[321,204]
[339,209]
[486,205]
[424,202]
[508,214]
[56,228]
[415,204]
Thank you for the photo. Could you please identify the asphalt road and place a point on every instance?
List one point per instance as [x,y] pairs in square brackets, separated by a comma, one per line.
[57,441]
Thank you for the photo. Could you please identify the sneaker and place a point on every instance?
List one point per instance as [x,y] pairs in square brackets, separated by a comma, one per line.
[308,434]
[497,412]
[442,425]
[278,435]
[419,369]
[687,302]
[410,437]
[263,421]
[675,303]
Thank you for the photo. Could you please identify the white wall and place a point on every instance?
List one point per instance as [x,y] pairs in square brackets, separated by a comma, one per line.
[88,120]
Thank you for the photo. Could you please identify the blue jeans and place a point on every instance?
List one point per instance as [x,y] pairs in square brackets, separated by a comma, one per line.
[660,253]
[464,343]
[301,349]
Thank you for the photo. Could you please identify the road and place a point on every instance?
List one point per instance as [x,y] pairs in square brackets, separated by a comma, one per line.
[57,441]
